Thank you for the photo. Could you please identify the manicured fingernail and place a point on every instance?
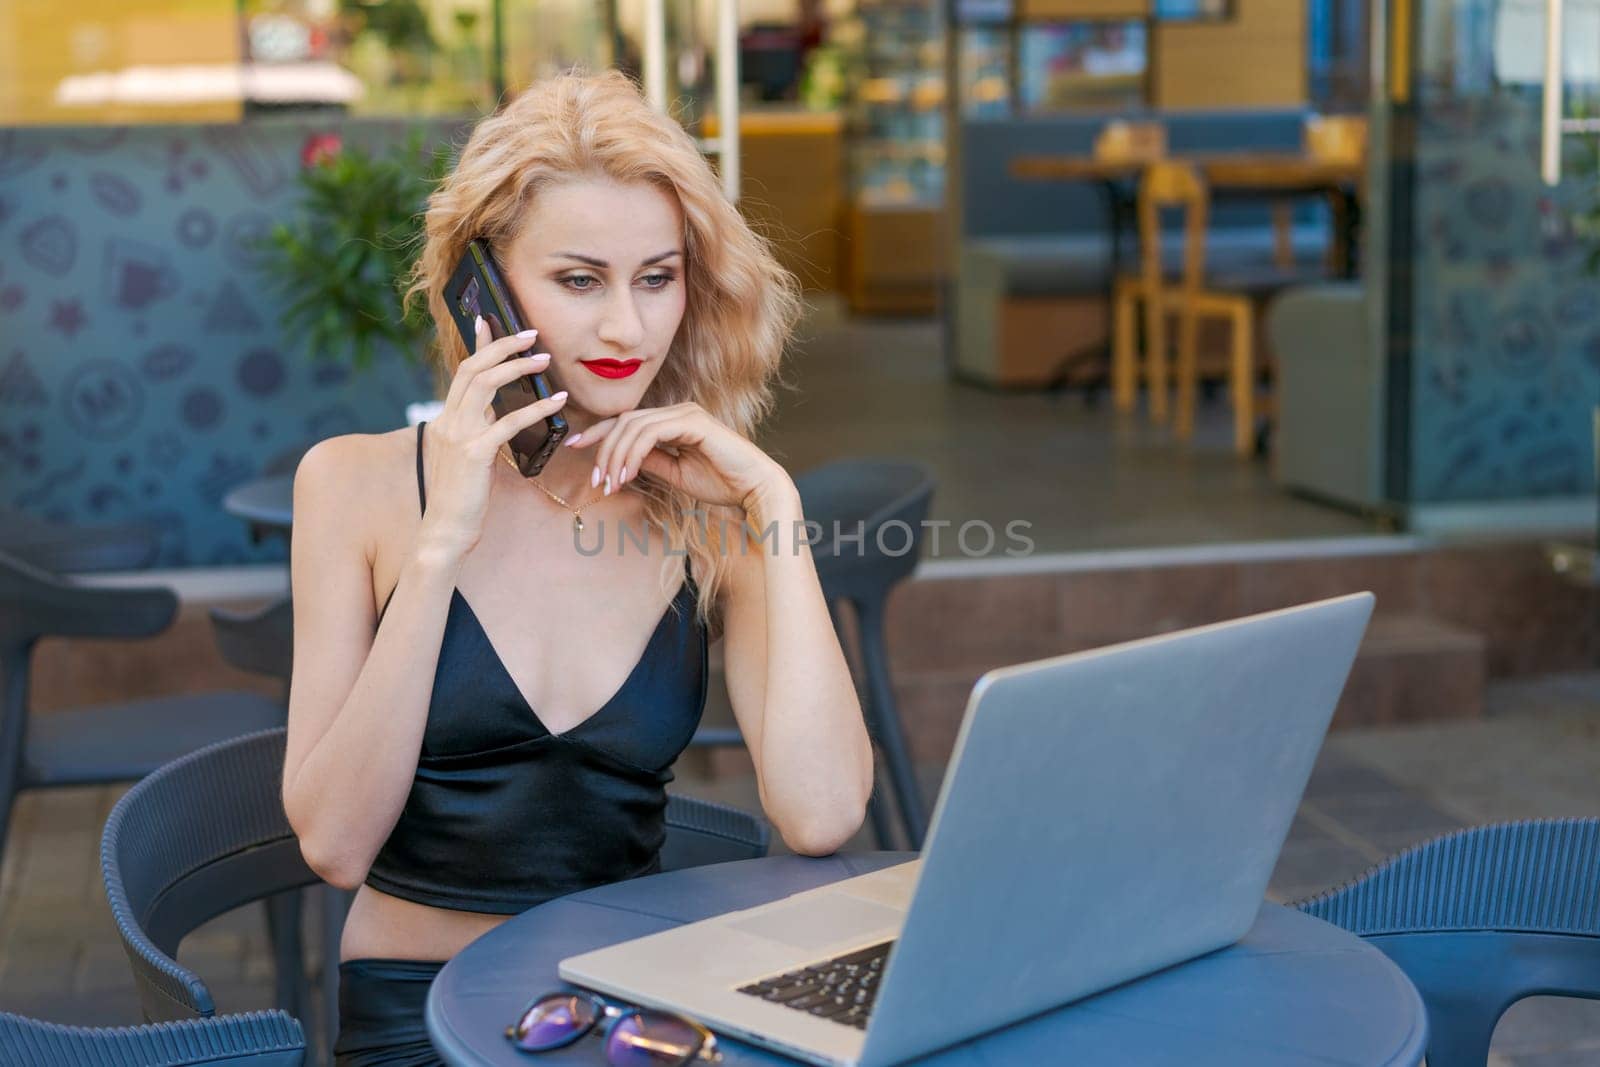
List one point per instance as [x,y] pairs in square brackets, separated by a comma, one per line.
[559,396]
[573,439]
[529,333]
[608,486]
[594,479]
[477,324]
[623,476]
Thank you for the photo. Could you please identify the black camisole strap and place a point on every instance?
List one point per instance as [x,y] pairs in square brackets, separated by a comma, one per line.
[422,489]
[422,502]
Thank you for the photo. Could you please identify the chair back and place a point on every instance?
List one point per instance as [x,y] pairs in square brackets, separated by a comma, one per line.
[199,837]
[260,640]
[1169,184]
[1479,919]
[700,832]
[59,547]
[35,603]
[1131,142]
[207,833]
[884,501]
[259,1039]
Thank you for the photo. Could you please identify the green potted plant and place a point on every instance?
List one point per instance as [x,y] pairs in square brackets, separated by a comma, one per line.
[340,261]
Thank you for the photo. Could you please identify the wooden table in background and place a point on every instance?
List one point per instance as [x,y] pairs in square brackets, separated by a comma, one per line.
[1255,175]
[1228,174]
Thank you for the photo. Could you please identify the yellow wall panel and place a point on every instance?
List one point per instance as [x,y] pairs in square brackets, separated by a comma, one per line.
[1255,59]
[54,49]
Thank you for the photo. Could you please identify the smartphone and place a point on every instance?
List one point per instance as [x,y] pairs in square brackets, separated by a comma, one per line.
[478,288]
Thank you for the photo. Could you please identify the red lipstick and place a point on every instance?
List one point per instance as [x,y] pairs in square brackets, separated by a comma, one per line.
[611,368]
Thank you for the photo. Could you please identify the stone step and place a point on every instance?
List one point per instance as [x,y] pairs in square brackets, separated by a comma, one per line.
[1410,668]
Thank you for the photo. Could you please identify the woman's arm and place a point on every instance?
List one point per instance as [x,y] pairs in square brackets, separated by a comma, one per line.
[358,701]
[787,677]
[790,685]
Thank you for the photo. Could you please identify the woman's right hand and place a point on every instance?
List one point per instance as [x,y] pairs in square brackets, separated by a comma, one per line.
[463,443]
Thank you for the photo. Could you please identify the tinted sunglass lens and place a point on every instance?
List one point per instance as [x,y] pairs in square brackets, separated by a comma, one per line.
[648,1039]
[553,1021]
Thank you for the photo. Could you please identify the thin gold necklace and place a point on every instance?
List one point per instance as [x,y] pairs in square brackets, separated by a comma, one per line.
[577,512]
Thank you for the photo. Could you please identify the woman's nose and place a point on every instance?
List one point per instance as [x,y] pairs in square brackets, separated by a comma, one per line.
[622,325]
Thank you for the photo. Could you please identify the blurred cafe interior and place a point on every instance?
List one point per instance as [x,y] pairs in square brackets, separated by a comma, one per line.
[958,186]
[1230,304]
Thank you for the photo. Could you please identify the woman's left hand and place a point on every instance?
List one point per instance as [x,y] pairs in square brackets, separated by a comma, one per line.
[712,464]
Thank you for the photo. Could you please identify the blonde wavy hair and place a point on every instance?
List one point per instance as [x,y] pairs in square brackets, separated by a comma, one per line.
[741,304]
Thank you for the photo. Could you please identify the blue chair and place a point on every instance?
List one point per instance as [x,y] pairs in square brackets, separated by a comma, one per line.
[1480,919]
[199,837]
[865,495]
[700,832]
[868,495]
[72,549]
[207,833]
[109,743]
[257,1039]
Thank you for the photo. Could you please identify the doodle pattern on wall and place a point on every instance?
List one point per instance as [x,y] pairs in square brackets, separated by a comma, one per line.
[1507,319]
[142,369]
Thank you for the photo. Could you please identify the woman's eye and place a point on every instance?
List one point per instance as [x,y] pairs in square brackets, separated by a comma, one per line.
[654,281]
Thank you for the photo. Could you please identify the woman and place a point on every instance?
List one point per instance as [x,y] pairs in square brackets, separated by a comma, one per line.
[485,709]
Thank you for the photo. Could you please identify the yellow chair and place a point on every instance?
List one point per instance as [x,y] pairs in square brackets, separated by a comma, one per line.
[1165,184]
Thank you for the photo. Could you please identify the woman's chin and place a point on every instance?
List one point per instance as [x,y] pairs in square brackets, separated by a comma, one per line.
[609,400]
[589,409]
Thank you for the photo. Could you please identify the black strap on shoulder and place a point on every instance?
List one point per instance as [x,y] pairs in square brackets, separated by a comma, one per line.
[422,489]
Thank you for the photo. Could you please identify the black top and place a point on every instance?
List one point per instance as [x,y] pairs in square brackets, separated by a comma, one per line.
[503,814]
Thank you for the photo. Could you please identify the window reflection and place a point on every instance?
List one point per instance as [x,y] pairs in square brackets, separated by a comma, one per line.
[1082,66]
[398,56]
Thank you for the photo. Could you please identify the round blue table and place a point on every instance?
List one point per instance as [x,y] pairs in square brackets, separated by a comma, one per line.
[1296,990]
[267,504]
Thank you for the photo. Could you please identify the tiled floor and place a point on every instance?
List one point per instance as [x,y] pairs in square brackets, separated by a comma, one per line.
[1374,791]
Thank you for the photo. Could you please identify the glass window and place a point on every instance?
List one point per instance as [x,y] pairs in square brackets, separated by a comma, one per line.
[1082,66]
[120,61]
[986,71]
[1191,10]
[372,57]
[1337,65]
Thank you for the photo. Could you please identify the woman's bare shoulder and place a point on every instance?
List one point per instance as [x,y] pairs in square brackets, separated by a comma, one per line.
[357,477]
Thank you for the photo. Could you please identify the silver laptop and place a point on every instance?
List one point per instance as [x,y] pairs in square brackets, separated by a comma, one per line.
[1105,814]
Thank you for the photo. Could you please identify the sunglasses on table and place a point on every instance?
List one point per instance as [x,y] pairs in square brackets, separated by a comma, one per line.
[634,1037]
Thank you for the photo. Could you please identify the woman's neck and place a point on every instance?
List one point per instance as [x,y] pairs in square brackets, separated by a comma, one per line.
[567,474]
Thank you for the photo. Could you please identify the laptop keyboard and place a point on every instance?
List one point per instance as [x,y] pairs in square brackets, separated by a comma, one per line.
[841,989]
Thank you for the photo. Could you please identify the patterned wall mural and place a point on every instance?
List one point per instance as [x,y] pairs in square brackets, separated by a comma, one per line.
[1507,326]
[142,369]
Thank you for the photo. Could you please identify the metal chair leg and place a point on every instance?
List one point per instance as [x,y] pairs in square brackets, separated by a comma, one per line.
[878,814]
[878,802]
[885,719]
[283,931]
[335,906]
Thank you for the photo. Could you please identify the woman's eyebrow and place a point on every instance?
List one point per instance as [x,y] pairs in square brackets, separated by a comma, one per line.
[603,265]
